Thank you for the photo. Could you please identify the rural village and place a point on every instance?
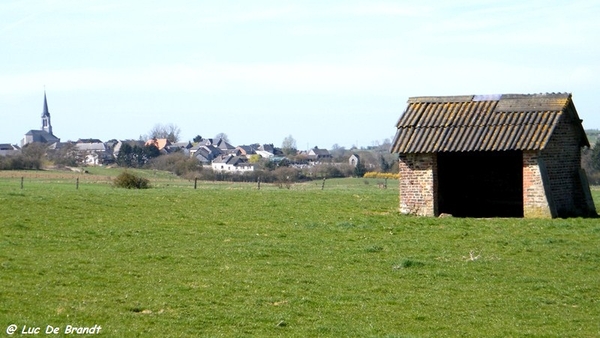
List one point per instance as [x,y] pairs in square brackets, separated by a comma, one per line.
[211,153]
[527,148]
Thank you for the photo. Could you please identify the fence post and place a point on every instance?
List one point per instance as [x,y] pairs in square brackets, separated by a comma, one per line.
[77,184]
[258,181]
[22,182]
[195,182]
[323,185]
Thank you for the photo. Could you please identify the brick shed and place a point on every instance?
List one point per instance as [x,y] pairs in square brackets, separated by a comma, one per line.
[492,156]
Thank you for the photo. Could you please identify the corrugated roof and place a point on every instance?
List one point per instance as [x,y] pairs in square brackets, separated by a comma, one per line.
[479,123]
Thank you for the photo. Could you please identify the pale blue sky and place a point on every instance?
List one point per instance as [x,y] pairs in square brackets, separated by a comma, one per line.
[323,71]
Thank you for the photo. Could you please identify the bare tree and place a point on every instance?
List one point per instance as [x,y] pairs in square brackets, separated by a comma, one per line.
[169,131]
[338,153]
[222,136]
[288,146]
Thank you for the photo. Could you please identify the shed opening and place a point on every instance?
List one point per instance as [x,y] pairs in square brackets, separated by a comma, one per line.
[480,184]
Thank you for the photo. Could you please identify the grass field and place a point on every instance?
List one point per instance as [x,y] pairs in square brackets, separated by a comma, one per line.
[228,260]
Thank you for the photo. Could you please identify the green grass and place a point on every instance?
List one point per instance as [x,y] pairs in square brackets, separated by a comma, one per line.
[230,260]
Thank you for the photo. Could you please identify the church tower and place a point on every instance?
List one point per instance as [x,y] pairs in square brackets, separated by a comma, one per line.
[46,125]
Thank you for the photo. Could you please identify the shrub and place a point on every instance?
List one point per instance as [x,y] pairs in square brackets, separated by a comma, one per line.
[131,181]
[285,176]
[19,162]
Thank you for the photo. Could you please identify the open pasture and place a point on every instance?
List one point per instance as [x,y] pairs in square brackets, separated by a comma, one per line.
[230,260]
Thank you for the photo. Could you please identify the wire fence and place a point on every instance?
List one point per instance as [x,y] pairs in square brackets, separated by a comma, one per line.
[46,179]
[28,179]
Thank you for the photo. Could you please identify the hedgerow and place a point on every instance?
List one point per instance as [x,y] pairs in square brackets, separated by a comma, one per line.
[375,174]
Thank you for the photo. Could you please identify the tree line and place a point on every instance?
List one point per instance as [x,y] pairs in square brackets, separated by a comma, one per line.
[33,156]
[590,161]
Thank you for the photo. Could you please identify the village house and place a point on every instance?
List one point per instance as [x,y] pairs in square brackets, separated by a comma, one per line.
[246,150]
[319,155]
[354,160]
[231,163]
[183,147]
[488,156]
[7,149]
[92,152]
[160,143]
[224,146]
[268,151]
[206,153]
[194,149]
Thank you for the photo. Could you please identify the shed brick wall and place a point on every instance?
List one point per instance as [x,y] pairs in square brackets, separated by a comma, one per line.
[562,159]
[535,201]
[418,184]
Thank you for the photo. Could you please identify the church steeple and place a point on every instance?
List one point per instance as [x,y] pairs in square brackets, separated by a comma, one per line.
[46,125]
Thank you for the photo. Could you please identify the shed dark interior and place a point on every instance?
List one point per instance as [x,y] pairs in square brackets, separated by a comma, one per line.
[481,184]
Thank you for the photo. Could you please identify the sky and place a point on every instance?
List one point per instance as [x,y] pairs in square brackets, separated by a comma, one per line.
[324,72]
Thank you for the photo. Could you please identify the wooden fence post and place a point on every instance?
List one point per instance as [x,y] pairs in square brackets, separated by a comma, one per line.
[195,182]
[22,178]
[258,181]
[323,185]
[77,184]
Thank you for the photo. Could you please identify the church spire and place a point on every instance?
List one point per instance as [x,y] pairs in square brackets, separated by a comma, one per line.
[46,125]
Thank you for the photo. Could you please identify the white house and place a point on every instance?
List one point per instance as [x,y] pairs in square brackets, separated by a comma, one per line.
[92,151]
[230,163]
